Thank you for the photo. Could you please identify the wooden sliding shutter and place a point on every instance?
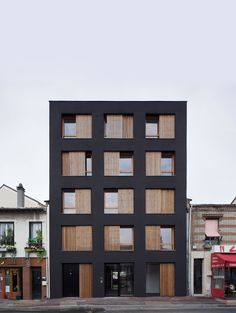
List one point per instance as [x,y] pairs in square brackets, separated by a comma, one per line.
[84,238]
[168,201]
[83,201]
[111,238]
[153,163]
[85,280]
[68,238]
[127,126]
[152,237]
[83,126]
[167,126]
[167,280]
[114,126]
[125,201]
[153,201]
[111,163]
[73,163]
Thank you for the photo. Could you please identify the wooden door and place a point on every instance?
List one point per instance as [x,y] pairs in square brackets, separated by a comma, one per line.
[85,280]
[167,279]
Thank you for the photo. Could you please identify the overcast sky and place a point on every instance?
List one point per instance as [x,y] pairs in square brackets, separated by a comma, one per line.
[119,50]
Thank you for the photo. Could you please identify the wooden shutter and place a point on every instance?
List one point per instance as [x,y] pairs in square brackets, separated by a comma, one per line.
[125,201]
[167,126]
[68,238]
[153,163]
[127,126]
[83,126]
[112,238]
[111,163]
[65,164]
[83,201]
[77,163]
[168,201]
[153,201]
[152,237]
[167,279]
[85,280]
[114,126]
[84,238]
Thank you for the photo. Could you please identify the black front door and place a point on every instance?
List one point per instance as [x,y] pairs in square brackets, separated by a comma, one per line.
[197,276]
[70,280]
[119,279]
[36,282]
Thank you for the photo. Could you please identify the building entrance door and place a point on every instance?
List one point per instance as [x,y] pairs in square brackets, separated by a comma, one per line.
[10,283]
[36,283]
[71,280]
[119,279]
[197,276]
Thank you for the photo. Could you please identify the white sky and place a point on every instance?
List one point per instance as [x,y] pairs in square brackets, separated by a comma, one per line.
[119,50]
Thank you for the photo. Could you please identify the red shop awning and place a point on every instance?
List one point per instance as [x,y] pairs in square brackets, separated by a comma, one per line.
[223,260]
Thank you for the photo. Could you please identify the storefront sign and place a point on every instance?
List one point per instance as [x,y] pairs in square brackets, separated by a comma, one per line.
[224,249]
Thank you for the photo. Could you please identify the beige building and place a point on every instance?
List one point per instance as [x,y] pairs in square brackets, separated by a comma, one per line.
[212,232]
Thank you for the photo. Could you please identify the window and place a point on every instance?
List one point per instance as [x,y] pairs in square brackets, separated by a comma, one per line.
[118,201]
[160,126]
[159,238]
[118,163]
[218,278]
[118,126]
[160,201]
[6,234]
[77,163]
[212,235]
[76,201]
[77,126]
[118,238]
[111,201]
[159,163]
[35,230]
[77,238]
[152,126]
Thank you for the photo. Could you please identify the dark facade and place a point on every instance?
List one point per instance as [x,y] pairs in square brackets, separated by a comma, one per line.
[138,145]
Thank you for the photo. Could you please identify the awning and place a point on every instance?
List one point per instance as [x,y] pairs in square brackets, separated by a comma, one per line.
[223,260]
[211,228]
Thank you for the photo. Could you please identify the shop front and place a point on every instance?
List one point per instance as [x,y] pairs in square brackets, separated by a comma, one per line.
[223,266]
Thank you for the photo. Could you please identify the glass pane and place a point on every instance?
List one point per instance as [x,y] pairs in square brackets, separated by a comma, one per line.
[126,279]
[153,278]
[7,281]
[126,238]
[69,199]
[151,129]
[126,166]
[14,282]
[69,211]
[112,279]
[35,228]
[6,234]
[166,238]
[88,166]
[166,166]
[69,127]
[111,199]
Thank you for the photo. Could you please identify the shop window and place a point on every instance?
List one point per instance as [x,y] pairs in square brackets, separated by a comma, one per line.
[118,163]
[77,126]
[118,126]
[212,235]
[76,163]
[118,238]
[160,163]
[6,234]
[218,278]
[159,238]
[76,201]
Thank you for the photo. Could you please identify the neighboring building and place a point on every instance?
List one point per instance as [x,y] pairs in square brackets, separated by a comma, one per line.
[23,245]
[212,249]
[117,198]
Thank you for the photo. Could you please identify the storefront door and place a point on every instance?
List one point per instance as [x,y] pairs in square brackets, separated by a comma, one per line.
[119,279]
[10,283]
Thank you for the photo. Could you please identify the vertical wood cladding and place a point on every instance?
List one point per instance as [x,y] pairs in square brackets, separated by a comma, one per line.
[160,201]
[83,201]
[111,163]
[83,126]
[167,126]
[73,163]
[119,126]
[85,280]
[111,238]
[153,163]
[125,201]
[167,280]
[77,238]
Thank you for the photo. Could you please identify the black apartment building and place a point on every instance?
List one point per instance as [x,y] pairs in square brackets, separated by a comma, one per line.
[117,198]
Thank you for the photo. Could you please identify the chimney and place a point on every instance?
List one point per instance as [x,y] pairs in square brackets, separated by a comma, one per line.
[20,196]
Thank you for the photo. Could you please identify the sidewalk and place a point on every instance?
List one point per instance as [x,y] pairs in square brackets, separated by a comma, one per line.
[121,303]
